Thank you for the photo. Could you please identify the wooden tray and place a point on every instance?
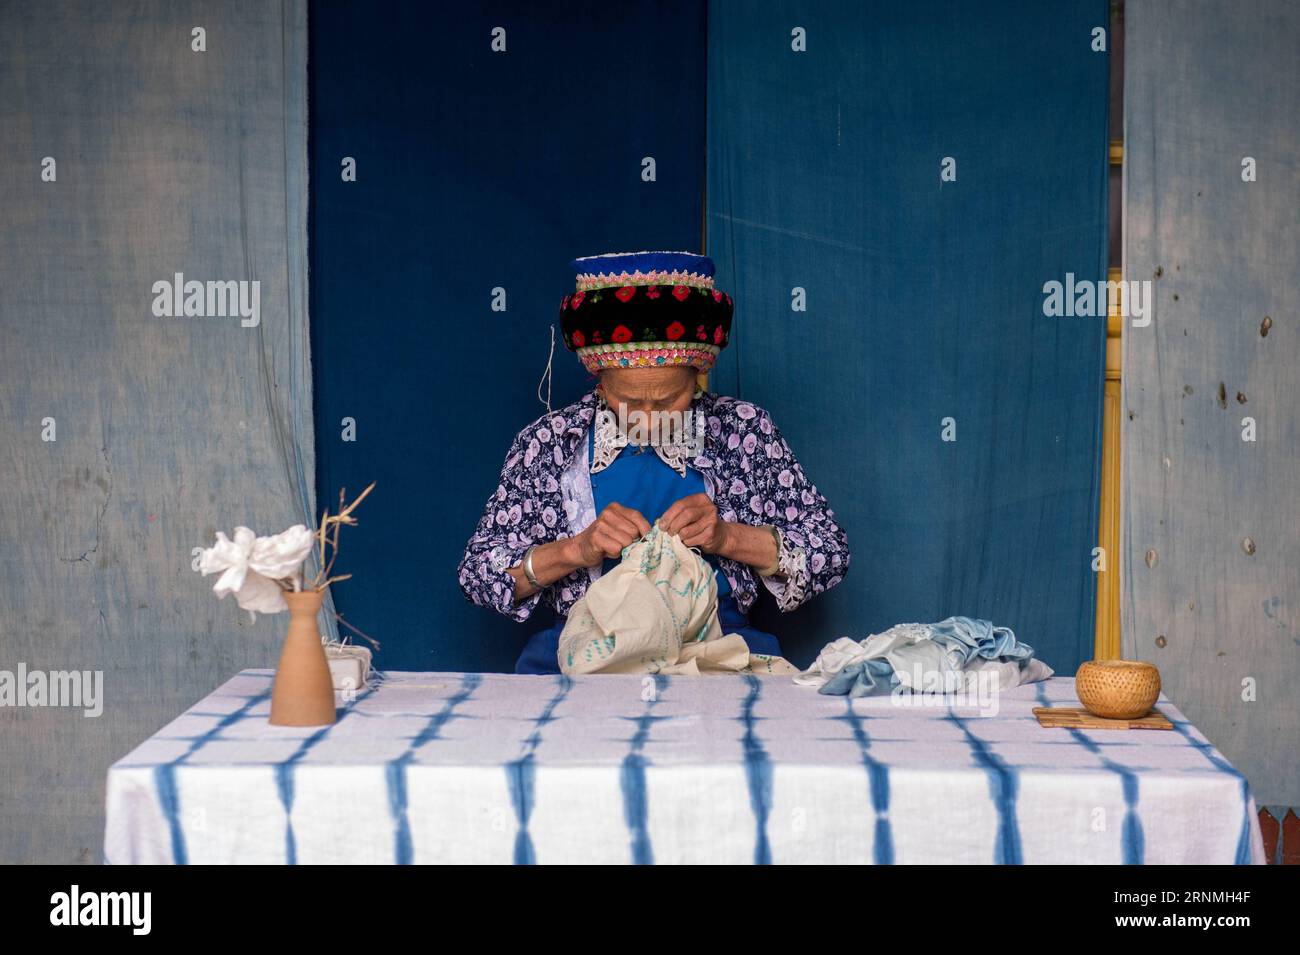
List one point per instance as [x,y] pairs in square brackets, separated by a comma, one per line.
[1076,717]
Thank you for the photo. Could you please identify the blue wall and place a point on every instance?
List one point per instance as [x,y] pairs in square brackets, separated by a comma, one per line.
[476,170]
[924,298]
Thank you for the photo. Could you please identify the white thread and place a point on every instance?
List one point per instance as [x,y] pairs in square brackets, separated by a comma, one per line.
[546,375]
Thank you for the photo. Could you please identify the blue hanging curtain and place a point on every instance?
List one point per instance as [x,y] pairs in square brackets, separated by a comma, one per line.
[891,317]
[437,274]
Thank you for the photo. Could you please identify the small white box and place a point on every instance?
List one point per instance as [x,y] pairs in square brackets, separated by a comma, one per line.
[349,665]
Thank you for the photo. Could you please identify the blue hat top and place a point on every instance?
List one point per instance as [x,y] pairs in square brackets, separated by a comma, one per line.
[617,263]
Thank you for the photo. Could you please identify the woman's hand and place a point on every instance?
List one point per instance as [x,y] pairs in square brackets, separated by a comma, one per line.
[613,529]
[696,519]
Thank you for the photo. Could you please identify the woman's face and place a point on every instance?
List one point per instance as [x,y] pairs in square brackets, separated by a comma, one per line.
[647,390]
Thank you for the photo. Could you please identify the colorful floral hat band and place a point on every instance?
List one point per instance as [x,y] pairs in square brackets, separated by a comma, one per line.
[647,354]
[646,308]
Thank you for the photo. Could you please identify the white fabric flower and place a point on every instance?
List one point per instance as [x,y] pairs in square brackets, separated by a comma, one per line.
[251,565]
[280,556]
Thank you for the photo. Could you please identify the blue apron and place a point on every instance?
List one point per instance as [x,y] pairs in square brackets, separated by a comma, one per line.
[638,478]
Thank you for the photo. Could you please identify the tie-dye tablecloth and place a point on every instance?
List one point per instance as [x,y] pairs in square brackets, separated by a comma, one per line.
[482,767]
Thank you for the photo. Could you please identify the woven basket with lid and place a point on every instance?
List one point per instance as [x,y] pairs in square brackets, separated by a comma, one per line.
[1118,689]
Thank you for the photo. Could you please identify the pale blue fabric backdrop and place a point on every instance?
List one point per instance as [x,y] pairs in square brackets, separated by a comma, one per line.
[167,429]
[1211,572]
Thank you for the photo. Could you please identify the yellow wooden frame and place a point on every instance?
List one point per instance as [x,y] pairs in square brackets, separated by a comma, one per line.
[1107,635]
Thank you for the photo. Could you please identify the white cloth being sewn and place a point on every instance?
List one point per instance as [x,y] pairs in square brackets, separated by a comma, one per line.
[656,612]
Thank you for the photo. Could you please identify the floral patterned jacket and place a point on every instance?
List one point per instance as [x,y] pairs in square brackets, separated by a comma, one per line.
[749,473]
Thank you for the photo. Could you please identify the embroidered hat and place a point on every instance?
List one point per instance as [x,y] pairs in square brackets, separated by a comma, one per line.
[645,308]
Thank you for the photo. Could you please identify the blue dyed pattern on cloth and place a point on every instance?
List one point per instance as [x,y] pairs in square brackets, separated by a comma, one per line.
[1002,782]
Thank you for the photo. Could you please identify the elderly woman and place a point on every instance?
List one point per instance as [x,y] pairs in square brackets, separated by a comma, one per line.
[647,444]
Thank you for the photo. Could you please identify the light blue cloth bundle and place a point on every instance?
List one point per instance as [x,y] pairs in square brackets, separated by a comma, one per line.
[922,656]
[979,638]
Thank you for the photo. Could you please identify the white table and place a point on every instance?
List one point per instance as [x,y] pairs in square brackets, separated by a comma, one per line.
[468,767]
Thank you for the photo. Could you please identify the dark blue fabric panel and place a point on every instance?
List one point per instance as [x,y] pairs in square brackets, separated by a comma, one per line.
[476,170]
[925,298]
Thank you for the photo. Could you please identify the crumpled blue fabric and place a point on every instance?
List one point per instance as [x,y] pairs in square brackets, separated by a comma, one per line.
[860,679]
[966,637]
[979,638]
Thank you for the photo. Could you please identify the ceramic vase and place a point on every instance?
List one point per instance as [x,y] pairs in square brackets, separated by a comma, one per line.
[304,689]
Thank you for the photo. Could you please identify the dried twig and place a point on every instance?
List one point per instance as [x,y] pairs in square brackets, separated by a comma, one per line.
[328,535]
[373,642]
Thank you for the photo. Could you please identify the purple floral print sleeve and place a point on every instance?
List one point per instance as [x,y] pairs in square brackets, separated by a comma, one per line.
[526,508]
[763,483]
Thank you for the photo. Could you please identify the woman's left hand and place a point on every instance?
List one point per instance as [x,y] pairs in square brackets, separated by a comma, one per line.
[696,519]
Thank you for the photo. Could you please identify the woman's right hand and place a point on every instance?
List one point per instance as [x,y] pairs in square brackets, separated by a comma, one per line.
[613,529]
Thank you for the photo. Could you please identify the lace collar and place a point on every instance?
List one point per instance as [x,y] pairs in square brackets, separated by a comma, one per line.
[608,440]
